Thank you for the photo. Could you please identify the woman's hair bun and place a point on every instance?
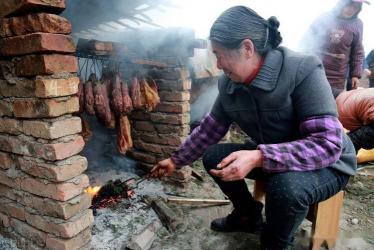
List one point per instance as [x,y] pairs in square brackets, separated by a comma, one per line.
[274,35]
[273,22]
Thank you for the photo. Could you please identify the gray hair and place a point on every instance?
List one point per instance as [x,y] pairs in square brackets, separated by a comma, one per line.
[239,23]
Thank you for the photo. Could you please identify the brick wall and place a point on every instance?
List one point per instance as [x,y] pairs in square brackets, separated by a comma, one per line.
[158,133]
[43,205]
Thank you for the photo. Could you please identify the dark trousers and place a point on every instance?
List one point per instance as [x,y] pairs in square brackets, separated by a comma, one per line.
[363,137]
[288,194]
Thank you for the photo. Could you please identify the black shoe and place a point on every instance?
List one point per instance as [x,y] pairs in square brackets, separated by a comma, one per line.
[239,222]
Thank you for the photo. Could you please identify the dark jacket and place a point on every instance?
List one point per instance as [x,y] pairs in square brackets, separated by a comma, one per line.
[289,88]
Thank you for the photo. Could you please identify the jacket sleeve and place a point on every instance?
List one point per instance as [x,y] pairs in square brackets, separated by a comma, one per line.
[357,53]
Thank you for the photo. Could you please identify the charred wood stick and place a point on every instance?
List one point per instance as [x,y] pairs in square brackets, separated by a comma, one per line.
[169,218]
[197,201]
[196,174]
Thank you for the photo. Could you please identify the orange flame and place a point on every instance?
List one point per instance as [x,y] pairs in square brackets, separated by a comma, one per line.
[92,191]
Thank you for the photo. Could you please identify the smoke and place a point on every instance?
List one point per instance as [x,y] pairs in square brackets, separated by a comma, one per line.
[204,102]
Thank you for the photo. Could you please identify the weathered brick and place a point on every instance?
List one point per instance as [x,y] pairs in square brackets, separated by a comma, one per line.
[140,115]
[53,129]
[12,208]
[10,126]
[32,65]
[49,207]
[44,108]
[177,119]
[17,7]
[8,192]
[36,43]
[68,244]
[32,23]
[31,233]
[143,126]
[6,108]
[20,87]
[59,150]
[142,156]
[25,243]
[10,178]
[4,220]
[173,107]
[59,171]
[154,148]
[173,96]
[56,87]
[166,139]
[62,191]
[173,129]
[171,74]
[62,228]
[174,85]
[7,161]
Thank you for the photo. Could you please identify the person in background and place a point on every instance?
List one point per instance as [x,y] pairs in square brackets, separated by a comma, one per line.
[369,68]
[336,37]
[356,113]
[282,100]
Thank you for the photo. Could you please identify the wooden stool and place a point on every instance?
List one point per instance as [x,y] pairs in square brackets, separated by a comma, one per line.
[323,215]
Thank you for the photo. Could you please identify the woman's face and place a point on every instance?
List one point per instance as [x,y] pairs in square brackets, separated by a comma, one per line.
[350,9]
[234,63]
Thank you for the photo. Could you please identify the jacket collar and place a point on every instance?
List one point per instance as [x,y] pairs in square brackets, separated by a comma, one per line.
[267,77]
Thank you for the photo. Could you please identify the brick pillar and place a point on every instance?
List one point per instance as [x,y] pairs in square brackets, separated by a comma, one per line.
[43,204]
[158,133]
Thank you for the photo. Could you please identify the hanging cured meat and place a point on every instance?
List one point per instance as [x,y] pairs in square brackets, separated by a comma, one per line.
[150,95]
[89,95]
[117,98]
[124,141]
[127,102]
[136,94]
[81,96]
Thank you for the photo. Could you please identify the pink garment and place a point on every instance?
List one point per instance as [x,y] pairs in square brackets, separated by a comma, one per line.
[356,108]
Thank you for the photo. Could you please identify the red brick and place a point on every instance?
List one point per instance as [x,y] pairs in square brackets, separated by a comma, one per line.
[7,161]
[58,150]
[4,220]
[171,74]
[12,208]
[176,119]
[10,126]
[140,115]
[20,87]
[36,43]
[32,65]
[154,148]
[52,129]
[32,23]
[68,244]
[173,107]
[31,233]
[49,207]
[173,96]
[44,108]
[59,171]
[56,87]
[17,7]
[58,191]
[62,228]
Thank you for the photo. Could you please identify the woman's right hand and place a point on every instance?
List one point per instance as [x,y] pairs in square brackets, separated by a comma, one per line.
[163,168]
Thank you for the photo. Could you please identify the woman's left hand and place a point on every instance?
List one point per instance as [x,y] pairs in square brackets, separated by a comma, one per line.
[237,165]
